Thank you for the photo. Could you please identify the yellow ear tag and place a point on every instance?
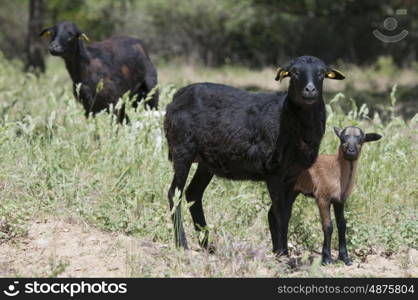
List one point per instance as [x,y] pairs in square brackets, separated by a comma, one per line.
[47,34]
[331,75]
[85,37]
[283,74]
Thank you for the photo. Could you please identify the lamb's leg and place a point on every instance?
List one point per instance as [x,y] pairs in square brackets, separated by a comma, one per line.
[324,211]
[342,246]
[181,170]
[194,193]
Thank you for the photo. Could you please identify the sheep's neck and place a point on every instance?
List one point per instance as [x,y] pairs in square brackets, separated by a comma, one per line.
[348,170]
[76,61]
[307,124]
[303,130]
[311,120]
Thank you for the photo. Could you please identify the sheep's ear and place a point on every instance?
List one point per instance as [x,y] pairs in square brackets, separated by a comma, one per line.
[334,74]
[45,33]
[371,137]
[281,73]
[337,131]
[83,36]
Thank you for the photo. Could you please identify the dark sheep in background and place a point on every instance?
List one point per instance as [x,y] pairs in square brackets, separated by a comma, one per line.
[121,63]
[240,135]
[330,181]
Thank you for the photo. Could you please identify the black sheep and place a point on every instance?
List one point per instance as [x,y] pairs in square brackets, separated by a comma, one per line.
[240,135]
[121,63]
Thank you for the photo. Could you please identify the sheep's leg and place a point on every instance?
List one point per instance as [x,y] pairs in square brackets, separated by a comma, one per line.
[142,89]
[273,229]
[181,170]
[278,215]
[342,246]
[324,211]
[194,193]
[289,200]
[153,102]
[121,115]
[86,97]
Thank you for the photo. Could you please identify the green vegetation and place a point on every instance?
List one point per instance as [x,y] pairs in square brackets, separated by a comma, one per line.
[256,33]
[56,162]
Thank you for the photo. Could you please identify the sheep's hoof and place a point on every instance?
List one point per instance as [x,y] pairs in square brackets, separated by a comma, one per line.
[280,253]
[346,260]
[209,247]
[327,261]
[182,243]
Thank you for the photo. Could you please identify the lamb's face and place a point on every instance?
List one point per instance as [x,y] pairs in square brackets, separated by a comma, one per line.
[307,74]
[64,37]
[352,139]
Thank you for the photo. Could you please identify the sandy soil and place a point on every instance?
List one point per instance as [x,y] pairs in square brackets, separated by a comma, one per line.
[403,265]
[65,248]
[52,246]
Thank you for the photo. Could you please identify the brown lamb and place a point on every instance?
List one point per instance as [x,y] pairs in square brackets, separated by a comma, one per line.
[330,181]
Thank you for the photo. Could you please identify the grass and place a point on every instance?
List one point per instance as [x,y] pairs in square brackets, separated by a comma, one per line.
[54,161]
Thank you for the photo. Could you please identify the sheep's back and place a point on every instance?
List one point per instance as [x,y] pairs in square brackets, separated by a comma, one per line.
[233,131]
[121,62]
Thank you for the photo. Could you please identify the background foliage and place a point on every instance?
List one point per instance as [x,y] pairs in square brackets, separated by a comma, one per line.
[254,33]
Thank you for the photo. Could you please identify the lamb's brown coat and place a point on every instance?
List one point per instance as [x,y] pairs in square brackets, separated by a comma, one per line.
[331,178]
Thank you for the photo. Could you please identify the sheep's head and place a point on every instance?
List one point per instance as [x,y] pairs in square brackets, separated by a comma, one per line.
[64,37]
[306,77]
[352,139]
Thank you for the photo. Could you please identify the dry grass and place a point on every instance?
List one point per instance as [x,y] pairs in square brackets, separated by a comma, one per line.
[372,78]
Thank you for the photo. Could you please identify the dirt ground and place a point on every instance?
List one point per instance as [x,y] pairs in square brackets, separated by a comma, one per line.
[66,248]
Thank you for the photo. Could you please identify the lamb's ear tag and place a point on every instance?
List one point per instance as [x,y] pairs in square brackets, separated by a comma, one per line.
[85,37]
